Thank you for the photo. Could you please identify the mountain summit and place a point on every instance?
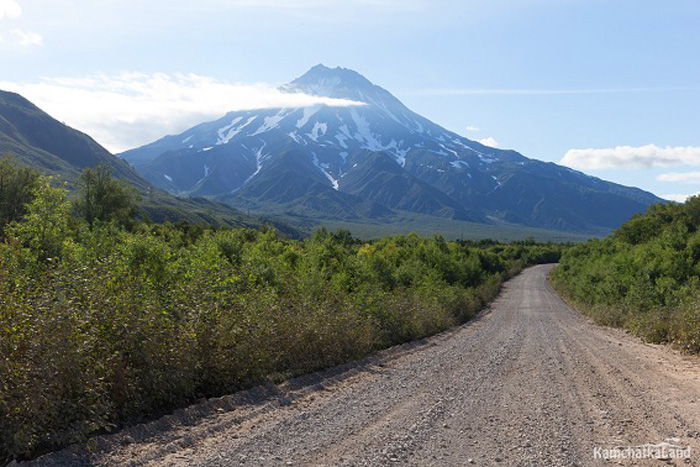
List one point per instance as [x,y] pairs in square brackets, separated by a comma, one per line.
[374,160]
[339,83]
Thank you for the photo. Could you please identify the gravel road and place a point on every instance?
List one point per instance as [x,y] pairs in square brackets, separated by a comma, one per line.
[528,382]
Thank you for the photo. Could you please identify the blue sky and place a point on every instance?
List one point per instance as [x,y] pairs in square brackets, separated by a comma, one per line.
[610,87]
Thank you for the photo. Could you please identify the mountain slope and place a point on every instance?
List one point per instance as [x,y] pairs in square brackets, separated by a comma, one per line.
[290,185]
[380,151]
[35,139]
[38,140]
[377,176]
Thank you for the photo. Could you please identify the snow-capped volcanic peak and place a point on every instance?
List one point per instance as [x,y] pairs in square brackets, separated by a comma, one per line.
[378,152]
[333,133]
[334,82]
[341,83]
[383,124]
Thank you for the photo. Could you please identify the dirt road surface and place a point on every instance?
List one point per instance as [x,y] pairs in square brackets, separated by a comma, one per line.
[528,382]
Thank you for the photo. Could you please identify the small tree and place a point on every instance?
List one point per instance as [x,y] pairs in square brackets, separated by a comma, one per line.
[17,186]
[44,228]
[692,210]
[103,198]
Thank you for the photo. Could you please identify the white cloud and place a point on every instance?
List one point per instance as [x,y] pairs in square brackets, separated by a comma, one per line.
[27,38]
[10,9]
[491,142]
[680,177]
[631,157]
[678,198]
[131,109]
[473,128]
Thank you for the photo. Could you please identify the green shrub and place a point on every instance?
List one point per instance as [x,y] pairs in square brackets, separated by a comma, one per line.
[103,326]
[644,277]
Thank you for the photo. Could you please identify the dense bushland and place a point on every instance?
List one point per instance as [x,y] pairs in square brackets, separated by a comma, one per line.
[106,321]
[645,277]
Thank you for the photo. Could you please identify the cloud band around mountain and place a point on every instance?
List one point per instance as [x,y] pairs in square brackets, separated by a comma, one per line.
[129,109]
[629,157]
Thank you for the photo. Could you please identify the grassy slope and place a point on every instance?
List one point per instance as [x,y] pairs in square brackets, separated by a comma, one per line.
[425,225]
[164,207]
[454,230]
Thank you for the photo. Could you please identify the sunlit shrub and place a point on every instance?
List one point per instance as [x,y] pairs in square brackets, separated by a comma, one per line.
[643,278]
[105,326]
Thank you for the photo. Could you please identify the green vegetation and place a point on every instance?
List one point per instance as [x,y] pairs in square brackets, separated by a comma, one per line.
[403,223]
[103,198]
[17,185]
[108,323]
[645,277]
[451,229]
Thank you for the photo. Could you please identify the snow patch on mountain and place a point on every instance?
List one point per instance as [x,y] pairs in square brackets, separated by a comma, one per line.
[398,152]
[449,150]
[308,113]
[342,140]
[364,133]
[206,174]
[259,156]
[370,141]
[319,129]
[224,129]
[270,123]
[458,142]
[227,133]
[323,168]
[498,183]
[296,137]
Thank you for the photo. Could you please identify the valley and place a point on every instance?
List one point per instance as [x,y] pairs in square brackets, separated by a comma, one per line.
[349,233]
